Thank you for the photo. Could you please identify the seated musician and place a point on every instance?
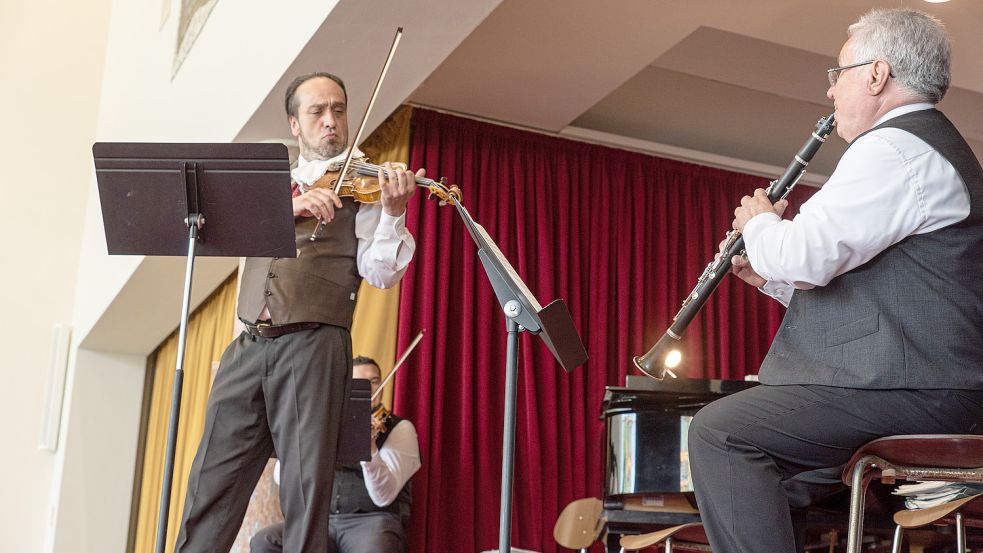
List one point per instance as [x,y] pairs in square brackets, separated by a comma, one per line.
[370,502]
[880,271]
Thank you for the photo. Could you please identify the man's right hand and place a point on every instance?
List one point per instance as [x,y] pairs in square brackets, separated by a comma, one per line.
[318,202]
[741,268]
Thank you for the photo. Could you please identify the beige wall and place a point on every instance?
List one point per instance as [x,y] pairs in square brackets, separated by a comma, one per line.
[51,56]
[124,306]
[74,73]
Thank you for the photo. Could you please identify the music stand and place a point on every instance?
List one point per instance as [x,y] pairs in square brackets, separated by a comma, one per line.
[155,198]
[523,312]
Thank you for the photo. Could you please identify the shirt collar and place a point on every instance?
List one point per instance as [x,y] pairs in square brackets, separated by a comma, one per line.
[901,110]
[308,171]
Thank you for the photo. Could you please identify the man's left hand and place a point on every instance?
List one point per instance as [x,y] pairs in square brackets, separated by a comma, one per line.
[398,186]
[755,205]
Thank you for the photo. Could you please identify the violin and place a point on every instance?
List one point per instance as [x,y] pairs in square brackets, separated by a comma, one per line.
[361,183]
[381,420]
[382,417]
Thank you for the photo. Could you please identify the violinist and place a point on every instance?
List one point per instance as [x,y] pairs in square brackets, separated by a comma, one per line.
[370,502]
[282,383]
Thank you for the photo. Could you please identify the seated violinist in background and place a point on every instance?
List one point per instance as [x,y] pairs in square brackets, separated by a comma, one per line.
[370,502]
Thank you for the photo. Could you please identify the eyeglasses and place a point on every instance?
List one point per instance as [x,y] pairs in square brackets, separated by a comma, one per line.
[834,74]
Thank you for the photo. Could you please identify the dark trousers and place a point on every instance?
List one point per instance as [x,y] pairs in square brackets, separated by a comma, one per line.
[286,393]
[350,533]
[761,456]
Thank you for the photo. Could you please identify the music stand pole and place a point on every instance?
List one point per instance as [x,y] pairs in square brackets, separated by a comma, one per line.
[512,310]
[523,313]
[195,221]
[154,199]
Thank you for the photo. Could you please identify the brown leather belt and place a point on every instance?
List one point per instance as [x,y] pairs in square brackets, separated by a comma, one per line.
[275,331]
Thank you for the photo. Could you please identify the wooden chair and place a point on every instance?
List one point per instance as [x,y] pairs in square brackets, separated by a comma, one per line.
[951,513]
[685,537]
[579,524]
[945,457]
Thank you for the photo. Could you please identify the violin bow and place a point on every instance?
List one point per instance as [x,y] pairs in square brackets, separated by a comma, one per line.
[406,353]
[361,126]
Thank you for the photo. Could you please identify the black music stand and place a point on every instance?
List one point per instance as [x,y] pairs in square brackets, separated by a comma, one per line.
[523,312]
[355,440]
[155,198]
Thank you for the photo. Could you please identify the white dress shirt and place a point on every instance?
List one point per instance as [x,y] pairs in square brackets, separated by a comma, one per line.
[385,246]
[391,467]
[888,185]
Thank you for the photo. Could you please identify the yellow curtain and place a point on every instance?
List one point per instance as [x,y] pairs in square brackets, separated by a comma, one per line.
[209,332]
[376,314]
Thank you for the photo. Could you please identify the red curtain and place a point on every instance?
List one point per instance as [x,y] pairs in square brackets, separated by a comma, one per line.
[622,237]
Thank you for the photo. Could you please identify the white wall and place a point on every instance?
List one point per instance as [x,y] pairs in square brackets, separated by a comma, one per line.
[125,306]
[51,58]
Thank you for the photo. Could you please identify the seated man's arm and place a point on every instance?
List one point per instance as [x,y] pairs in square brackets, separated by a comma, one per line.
[393,465]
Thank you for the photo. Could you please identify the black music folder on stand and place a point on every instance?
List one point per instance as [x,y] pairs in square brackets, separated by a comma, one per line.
[230,200]
[523,312]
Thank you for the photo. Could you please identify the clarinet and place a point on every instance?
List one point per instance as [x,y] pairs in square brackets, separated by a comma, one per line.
[662,357]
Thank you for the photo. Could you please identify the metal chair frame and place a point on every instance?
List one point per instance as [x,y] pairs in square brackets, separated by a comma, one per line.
[861,475]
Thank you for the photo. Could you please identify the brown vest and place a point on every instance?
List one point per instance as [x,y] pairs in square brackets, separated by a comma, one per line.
[319,285]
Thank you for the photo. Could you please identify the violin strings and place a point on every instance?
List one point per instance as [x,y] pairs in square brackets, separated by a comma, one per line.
[371,169]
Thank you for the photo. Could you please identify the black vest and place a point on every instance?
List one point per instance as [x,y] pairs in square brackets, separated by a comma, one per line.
[349,494]
[911,317]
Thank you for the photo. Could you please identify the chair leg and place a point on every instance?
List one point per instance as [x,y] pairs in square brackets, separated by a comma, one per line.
[960,534]
[856,528]
[896,544]
[669,544]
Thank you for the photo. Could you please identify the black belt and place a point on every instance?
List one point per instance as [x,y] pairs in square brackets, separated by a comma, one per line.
[275,331]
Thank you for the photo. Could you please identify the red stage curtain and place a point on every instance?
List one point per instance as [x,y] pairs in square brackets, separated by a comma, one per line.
[622,237]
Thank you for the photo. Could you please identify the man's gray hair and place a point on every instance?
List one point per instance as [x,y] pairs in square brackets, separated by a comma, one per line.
[914,43]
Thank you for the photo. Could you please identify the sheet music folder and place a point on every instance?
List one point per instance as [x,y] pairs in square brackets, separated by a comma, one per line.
[552,323]
[147,191]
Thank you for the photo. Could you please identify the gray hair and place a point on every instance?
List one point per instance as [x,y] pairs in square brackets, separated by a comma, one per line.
[915,44]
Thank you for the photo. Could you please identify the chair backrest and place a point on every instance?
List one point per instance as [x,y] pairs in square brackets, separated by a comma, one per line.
[579,524]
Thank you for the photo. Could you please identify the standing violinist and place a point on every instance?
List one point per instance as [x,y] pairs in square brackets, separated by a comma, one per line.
[370,503]
[283,382]
[880,271]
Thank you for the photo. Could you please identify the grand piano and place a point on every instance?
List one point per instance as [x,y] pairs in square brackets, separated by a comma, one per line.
[647,480]
[647,483]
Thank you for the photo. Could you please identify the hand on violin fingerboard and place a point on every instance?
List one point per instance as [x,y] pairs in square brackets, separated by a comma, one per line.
[398,186]
[317,202]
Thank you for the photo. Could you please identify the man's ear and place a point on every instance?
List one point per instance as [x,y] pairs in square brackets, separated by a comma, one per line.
[294,125]
[879,76]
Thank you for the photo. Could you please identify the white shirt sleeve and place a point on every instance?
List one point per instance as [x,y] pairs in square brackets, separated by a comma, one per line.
[888,185]
[385,245]
[778,290]
[393,465]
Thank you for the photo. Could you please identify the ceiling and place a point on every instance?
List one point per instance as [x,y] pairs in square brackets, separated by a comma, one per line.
[711,80]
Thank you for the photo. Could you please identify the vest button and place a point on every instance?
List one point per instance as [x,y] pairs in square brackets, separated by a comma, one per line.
[268,293]
[270,275]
